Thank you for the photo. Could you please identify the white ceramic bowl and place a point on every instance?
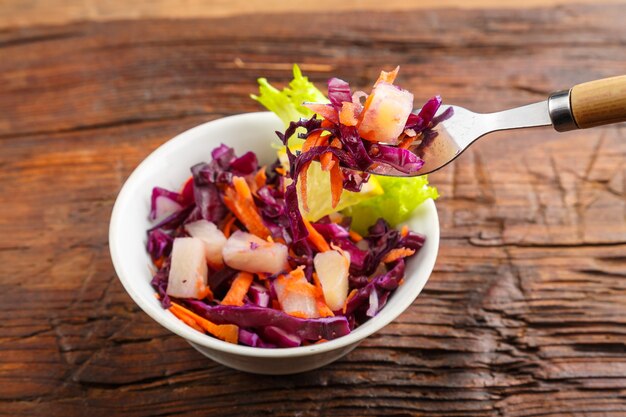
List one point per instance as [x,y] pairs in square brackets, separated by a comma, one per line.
[168,167]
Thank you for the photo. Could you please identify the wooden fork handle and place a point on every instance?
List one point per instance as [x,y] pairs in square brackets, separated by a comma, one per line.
[599,102]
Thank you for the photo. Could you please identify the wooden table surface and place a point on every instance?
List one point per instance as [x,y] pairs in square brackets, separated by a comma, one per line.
[525,314]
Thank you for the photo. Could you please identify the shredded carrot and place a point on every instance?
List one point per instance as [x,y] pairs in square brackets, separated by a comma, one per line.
[314,139]
[263,276]
[229,217]
[310,141]
[366,106]
[185,184]
[239,200]
[242,188]
[405,142]
[234,228]
[159,262]
[387,77]
[404,231]
[296,285]
[186,319]
[280,170]
[298,272]
[324,110]
[228,225]
[355,236]
[349,114]
[320,341]
[336,182]
[260,178]
[327,123]
[352,294]
[395,254]
[322,307]
[203,290]
[327,161]
[238,289]
[315,237]
[303,190]
[187,188]
[226,332]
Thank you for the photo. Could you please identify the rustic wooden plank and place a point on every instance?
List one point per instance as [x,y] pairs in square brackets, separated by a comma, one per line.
[524,315]
[39,12]
[142,76]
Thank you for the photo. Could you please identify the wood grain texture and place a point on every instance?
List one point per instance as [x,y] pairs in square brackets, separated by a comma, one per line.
[599,102]
[525,314]
[17,13]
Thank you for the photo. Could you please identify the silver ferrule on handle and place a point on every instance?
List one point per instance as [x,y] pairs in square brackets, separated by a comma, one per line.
[560,110]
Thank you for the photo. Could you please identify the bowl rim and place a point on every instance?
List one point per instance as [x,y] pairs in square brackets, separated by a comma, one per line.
[159,314]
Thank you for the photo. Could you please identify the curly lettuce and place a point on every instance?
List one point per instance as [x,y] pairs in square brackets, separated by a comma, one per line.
[400,197]
[287,103]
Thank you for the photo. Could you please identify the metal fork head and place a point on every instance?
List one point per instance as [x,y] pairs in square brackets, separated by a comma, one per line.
[445,146]
[464,127]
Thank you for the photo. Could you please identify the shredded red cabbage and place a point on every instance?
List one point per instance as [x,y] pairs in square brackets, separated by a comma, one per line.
[372,277]
[355,154]
[258,317]
[260,324]
[249,338]
[259,295]
[421,121]
[159,243]
[244,165]
[354,180]
[399,159]
[338,92]
[162,192]
[383,284]
[280,337]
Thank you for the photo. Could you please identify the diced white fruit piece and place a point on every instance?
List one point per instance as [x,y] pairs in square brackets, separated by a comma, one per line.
[188,271]
[384,119]
[247,252]
[332,269]
[296,296]
[213,240]
[165,207]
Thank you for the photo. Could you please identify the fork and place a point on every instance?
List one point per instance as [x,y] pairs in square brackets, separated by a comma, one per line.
[590,104]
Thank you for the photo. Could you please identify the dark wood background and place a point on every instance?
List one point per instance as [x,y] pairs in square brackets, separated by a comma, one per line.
[525,314]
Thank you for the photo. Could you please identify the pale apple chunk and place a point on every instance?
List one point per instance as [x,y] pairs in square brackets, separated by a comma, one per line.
[332,268]
[213,240]
[247,252]
[188,270]
[385,114]
[296,296]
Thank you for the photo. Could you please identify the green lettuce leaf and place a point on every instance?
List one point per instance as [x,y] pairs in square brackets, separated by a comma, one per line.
[287,103]
[400,197]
